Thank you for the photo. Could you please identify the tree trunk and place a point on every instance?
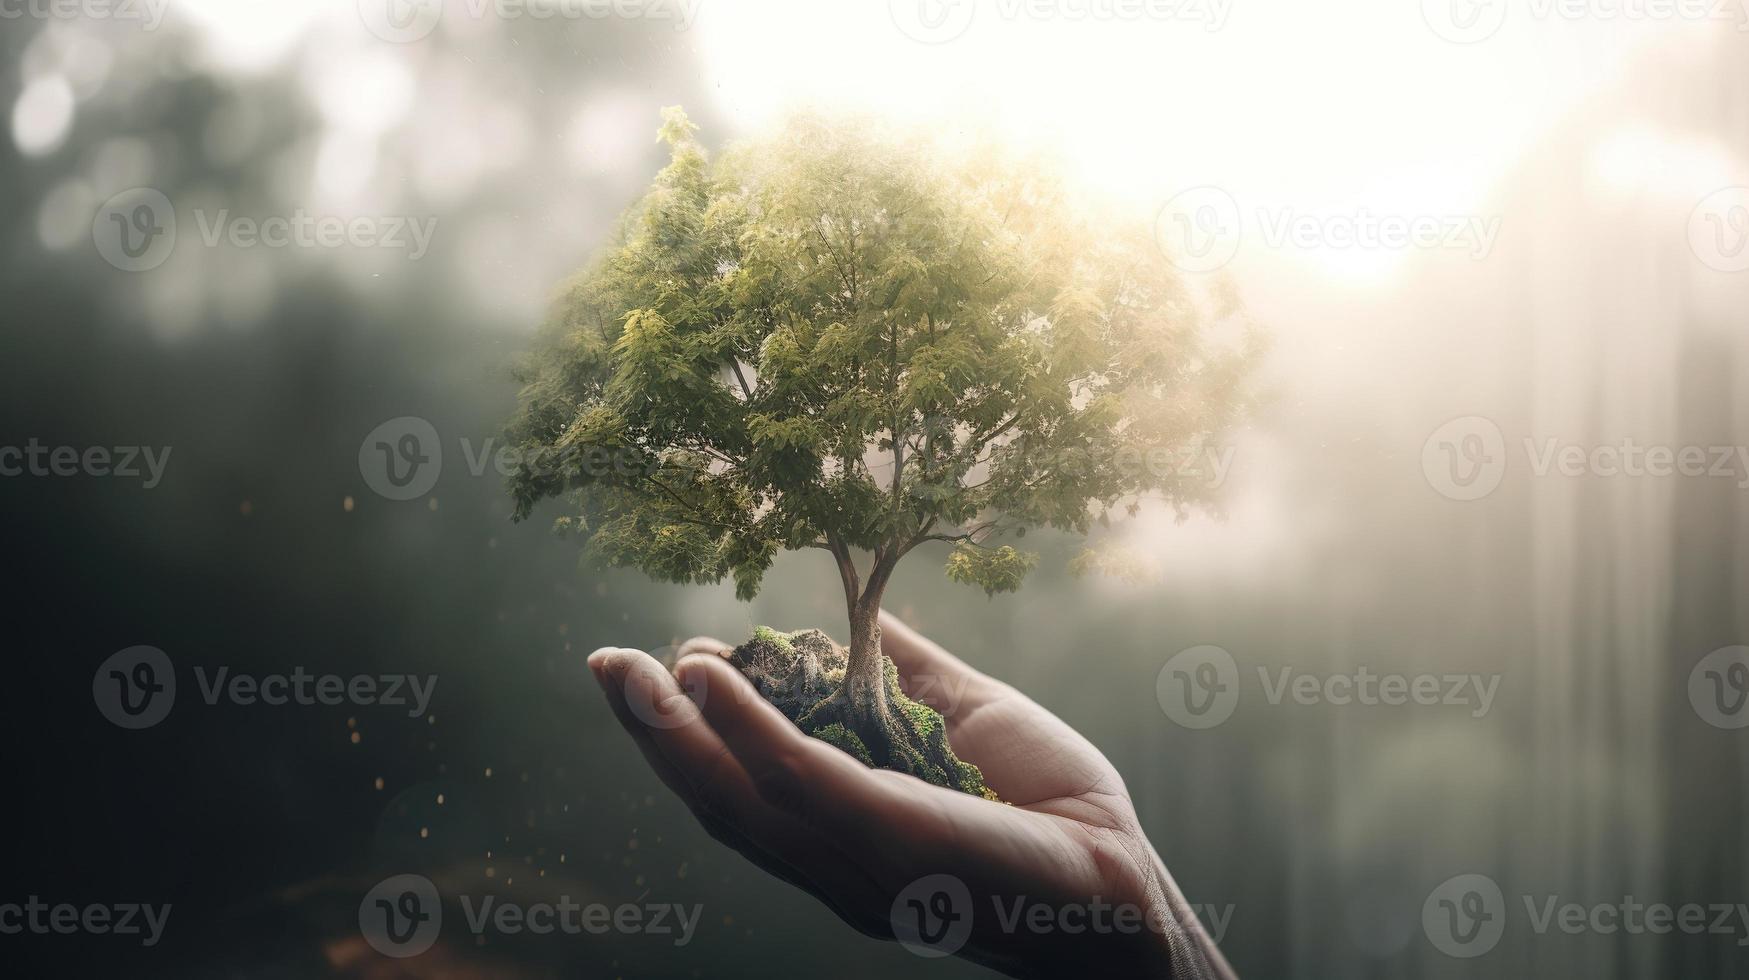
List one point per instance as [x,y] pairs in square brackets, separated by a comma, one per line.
[863,686]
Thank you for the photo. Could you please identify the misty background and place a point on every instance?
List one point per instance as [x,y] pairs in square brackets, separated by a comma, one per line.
[1597,313]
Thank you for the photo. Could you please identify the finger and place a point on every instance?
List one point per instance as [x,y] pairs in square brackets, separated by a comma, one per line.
[615,669]
[611,686]
[696,766]
[702,644]
[821,786]
[681,745]
[930,674]
[895,826]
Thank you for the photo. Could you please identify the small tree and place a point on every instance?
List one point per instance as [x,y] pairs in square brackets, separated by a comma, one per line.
[846,340]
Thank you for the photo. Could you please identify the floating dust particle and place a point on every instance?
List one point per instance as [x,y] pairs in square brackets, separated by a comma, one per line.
[543,872]
[431,719]
[424,832]
[728,920]
[352,723]
[681,871]
[509,881]
[632,844]
[561,859]
[639,882]
[491,872]
[431,505]
[355,738]
[488,772]
[564,629]
[245,508]
[379,782]
[346,505]
[440,799]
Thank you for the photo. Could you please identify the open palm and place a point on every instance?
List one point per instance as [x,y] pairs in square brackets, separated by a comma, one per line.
[896,857]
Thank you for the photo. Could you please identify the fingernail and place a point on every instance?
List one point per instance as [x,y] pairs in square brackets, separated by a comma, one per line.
[601,664]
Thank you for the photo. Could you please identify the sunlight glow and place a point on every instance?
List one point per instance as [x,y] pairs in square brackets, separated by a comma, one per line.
[1382,115]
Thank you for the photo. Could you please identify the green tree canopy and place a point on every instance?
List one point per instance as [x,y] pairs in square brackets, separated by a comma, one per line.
[860,341]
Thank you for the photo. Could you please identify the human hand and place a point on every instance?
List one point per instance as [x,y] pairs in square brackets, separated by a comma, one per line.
[871,843]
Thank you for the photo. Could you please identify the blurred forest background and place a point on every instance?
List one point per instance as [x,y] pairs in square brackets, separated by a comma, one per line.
[1322,827]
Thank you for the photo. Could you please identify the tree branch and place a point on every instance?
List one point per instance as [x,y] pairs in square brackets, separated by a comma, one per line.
[735,365]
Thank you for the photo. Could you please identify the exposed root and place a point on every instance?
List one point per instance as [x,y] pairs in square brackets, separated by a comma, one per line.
[802,673]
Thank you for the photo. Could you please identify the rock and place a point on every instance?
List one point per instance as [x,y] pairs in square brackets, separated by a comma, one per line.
[802,674]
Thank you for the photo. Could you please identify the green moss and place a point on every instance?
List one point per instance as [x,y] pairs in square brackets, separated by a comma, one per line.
[845,739]
[802,673]
[766,634]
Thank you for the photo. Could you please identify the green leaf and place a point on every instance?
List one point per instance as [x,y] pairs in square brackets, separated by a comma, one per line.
[991,569]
